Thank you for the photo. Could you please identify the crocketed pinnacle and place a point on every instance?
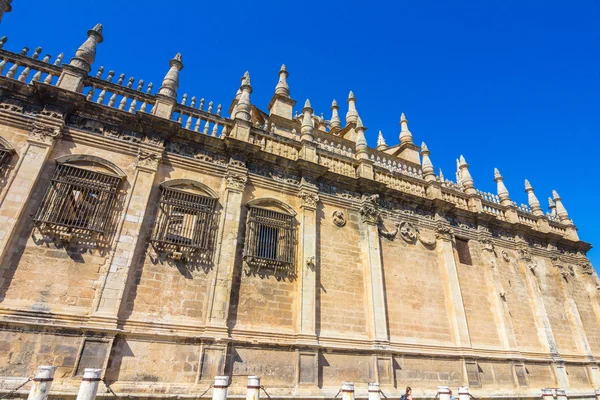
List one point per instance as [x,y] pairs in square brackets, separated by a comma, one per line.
[170,82]
[282,87]
[501,188]
[466,180]
[308,125]
[381,144]
[426,164]
[335,122]
[405,134]
[561,211]
[352,114]
[361,140]
[533,201]
[86,54]
[242,110]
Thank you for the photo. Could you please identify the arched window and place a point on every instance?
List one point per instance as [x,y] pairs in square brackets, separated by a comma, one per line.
[270,235]
[185,219]
[81,197]
[6,151]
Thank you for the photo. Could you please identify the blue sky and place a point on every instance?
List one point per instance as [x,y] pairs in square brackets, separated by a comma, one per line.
[508,84]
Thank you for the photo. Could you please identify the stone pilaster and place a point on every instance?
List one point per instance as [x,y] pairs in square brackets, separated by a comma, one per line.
[371,250]
[308,241]
[449,274]
[40,142]
[528,267]
[110,296]
[228,237]
[585,272]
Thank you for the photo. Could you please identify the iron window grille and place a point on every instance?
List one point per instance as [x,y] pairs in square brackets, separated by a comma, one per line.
[4,156]
[78,201]
[184,222]
[269,240]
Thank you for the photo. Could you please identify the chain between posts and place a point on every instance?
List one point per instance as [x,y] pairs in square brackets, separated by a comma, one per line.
[337,394]
[263,389]
[207,389]
[383,394]
[17,388]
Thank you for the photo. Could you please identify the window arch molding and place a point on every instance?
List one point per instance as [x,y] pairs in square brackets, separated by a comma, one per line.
[7,145]
[76,159]
[270,202]
[190,183]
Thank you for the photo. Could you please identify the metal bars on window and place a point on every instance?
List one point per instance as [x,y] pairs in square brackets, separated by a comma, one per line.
[4,156]
[269,239]
[79,200]
[184,221]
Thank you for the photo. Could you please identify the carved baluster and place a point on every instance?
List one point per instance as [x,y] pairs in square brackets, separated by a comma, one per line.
[58,61]
[13,70]
[130,82]
[113,98]
[219,109]
[210,105]
[197,126]
[90,94]
[27,70]
[38,75]
[188,122]
[201,104]
[3,40]
[193,103]
[206,126]
[121,79]
[99,73]
[145,104]
[103,92]
[2,66]
[215,130]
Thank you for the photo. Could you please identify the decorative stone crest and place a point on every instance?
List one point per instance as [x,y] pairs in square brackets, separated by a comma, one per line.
[505,256]
[338,218]
[235,180]
[148,160]
[586,267]
[487,245]
[309,199]
[444,232]
[369,211]
[44,133]
[408,232]
[390,235]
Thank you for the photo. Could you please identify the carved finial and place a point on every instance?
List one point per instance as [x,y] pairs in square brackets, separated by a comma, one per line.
[36,53]
[24,51]
[352,114]
[130,82]
[442,179]
[170,82]
[561,211]
[307,122]
[140,85]
[282,87]
[533,201]
[242,109]
[381,144]
[99,73]
[465,176]
[111,74]
[426,164]
[361,140]
[335,122]
[59,59]
[552,206]
[502,190]
[184,99]
[3,41]
[149,89]
[405,134]
[86,54]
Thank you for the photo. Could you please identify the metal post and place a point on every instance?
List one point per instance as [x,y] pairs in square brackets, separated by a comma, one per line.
[463,393]
[89,384]
[374,391]
[220,388]
[443,393]
[253,388]
[348,391]
[41,383]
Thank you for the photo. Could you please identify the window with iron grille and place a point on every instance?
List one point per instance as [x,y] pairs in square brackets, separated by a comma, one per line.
[78,201]
[269,239]
[184,221]
[4,156]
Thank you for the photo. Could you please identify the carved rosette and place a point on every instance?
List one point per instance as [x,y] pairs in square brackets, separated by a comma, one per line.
[338,218]
[236,180]
[148,160]
[444,232]
[369,210]
[42,133]
[309,198]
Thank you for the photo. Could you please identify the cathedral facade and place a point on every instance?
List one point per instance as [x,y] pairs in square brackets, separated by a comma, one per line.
[148,234]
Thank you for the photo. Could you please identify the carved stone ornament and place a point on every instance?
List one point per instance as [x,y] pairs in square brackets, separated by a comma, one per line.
[309,199]
[236,161]
[310,262]
[487,245]
[390,235]
[408,232]
[235,180]
[338,218]
[444,232]
[505,256]
[369,210]
[586,268]
[44,133]
[148,160]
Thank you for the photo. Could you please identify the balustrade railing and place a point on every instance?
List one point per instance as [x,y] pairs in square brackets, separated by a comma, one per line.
[399,182]
[275,144]
[24,68]
[337,163]
[207,122]
[452,196]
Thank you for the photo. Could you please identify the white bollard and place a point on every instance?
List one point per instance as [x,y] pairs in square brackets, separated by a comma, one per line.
[597,394]
[41,383]
[89,384]
[348,391]
[561,394]
[463,393]
[374,391]
[253,388]
[443,392]
[220,388]
[547,394]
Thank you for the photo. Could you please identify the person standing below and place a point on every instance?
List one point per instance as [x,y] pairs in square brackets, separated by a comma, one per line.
[407,394]
[451,396]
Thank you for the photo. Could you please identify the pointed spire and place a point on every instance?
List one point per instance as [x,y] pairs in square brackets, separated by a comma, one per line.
[533,201]
[465,176]
[308,125]
[352,114]
[361,140]
[242,110]
[552,206]
[335,122]
[405,135]
[442,179]
[86,54]
[561,211]
[170,82]
[426,164]
[381,144]
[282,87]
[501,187]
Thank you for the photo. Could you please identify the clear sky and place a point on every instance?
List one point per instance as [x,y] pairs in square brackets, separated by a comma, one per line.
[508,84]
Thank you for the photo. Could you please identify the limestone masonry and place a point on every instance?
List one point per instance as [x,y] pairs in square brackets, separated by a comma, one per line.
[147,235]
